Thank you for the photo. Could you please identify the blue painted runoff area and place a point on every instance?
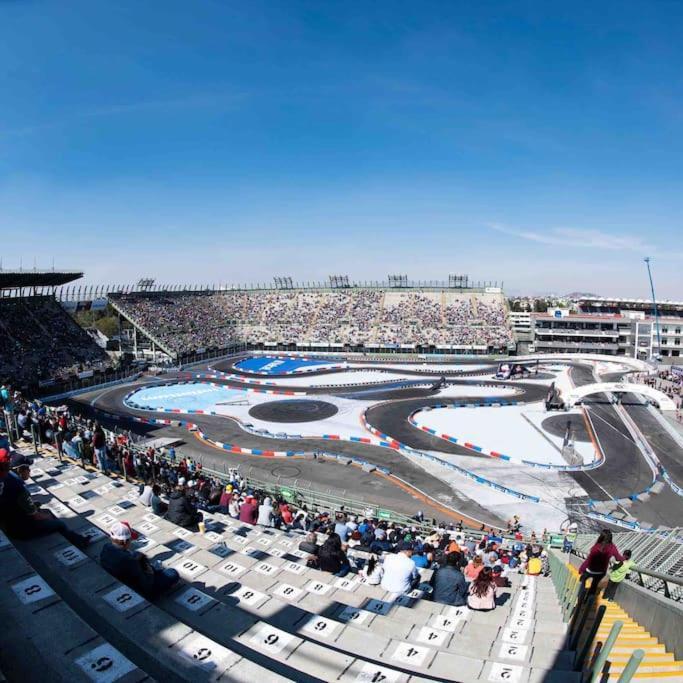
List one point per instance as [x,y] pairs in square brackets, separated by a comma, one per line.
[277,365]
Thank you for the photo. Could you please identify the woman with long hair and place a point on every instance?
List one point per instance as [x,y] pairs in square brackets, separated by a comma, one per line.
[332,558]
[482,592]
[595,566]
[373,571]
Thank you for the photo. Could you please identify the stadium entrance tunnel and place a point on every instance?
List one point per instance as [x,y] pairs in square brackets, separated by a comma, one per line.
[660,398]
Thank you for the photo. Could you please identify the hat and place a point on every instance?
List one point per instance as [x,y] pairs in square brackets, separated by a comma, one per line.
[120,532]
[496,569]
[4,456]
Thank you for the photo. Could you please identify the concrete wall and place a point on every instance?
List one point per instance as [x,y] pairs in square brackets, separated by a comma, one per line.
[662,617]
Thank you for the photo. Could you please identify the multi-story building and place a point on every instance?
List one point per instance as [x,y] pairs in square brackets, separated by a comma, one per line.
[617,327]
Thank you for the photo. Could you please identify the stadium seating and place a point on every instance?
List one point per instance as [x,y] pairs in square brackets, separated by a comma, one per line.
[249,600]
[184,322]
[38,340]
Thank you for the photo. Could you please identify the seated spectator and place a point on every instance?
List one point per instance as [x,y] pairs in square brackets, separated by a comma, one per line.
[381,544]
[450,587]
[341,528]
[146,495]
[420,559]
[286,513]
[249,511]
[498,578]
[355,540]
[158,505]
[19,515]
[473,568]
[373,571]
[234,506]
[265,513]
[400,573]
[180,510]
[132,567]
[482,592]
[310,544]
[332,558]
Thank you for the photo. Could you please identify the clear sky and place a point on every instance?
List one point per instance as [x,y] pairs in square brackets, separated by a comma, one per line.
[536,143]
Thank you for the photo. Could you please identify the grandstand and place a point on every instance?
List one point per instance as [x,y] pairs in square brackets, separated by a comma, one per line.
[422,319]
[39,342]
[249,604]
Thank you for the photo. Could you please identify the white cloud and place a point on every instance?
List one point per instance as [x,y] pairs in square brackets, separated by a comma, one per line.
[589,239]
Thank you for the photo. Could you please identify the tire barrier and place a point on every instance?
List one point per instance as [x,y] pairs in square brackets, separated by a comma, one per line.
[494,403]
[389,442]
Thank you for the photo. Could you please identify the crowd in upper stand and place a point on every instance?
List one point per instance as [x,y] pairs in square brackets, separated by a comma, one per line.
[185,322]
[40,341]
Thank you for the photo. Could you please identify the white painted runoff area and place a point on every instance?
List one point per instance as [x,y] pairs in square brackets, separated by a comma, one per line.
[551,486]
[513,434]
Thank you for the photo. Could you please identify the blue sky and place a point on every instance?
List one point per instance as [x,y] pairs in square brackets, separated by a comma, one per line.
[536,143]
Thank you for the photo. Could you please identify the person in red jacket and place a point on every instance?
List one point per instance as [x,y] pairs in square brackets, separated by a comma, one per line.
[249,511]
[596,564]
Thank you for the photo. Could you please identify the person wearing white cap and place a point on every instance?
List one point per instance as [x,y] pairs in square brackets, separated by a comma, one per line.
[132,567]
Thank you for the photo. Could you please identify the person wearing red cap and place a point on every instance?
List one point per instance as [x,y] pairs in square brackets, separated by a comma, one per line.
[20,516]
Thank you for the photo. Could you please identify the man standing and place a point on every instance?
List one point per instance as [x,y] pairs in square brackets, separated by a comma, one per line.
[99,444]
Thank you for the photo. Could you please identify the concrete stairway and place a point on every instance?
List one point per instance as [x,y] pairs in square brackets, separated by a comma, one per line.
[44,638]
[248,599]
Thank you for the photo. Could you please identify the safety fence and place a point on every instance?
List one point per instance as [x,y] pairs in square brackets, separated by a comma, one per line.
[658,555]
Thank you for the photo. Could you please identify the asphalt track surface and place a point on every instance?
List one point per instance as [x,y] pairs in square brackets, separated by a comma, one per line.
[625,470]
[339,478]
[229,365]
[623,473]
[392,417]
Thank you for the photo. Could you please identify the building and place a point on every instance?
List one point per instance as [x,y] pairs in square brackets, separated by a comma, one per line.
[616,327]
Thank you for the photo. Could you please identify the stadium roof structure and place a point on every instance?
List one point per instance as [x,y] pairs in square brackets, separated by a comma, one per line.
[19,279]
[627,302]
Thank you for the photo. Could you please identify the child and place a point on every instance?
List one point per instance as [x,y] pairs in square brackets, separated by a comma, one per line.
[617,574]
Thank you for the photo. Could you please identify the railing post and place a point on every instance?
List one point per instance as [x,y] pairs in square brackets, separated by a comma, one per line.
[631,666]
[604,652]
[581,658]
[577,624]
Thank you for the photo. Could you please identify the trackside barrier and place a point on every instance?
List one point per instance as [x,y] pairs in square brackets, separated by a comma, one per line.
[385,441]
[493,403]
[390,442]
[128,397]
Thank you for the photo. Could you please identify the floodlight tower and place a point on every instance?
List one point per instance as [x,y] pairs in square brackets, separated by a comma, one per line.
[654,303]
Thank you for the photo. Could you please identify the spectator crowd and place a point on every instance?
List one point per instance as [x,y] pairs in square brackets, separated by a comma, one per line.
[466,570]
[40,341]
[189,321]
